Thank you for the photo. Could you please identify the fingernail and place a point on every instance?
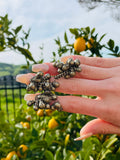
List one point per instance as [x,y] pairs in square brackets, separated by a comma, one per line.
[18,77]
[29,97]
[26,97]
[83,137]
[24,78]
[40,67]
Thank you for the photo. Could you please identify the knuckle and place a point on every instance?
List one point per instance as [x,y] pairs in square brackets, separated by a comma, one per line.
[85,69]
[113,85]
[99,61]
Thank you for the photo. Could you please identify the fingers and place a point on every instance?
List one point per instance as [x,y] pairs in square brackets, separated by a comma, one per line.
[88,72]
[73,85]
[81,87]
[94,73]
[76,104]
[98,126]
[95,61]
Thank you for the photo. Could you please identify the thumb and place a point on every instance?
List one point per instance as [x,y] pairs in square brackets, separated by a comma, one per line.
[97,126]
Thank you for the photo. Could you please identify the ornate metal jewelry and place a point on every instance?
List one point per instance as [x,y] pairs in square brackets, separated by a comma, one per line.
[41,83]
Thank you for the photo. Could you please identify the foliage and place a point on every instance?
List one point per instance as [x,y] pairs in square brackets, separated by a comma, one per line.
[88,34]
[11,69]
[45,143]
[11,40]
[57,143]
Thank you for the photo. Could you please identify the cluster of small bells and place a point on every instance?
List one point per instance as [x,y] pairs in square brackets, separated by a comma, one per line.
[40,82]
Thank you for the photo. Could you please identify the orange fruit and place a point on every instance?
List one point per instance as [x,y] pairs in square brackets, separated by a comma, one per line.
[80,44]
[26,125]
[67,139]
[52,123]
[0,26]
[28,117]
[40,112]
[24,149]
[10,155]
[90,42]
[48,112]
[21,123]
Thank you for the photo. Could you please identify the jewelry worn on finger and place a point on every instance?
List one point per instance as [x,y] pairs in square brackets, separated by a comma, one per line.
[40,82]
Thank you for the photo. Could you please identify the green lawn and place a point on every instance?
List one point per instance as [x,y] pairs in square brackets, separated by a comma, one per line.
[10,107]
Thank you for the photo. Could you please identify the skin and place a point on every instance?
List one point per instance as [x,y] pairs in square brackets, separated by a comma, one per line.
[100,77]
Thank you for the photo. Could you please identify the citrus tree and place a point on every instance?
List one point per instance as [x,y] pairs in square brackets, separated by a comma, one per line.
[10,39]
[48,134]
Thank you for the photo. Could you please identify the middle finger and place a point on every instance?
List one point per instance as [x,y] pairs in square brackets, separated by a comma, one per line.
[81,86]
[88,72]
[73,85]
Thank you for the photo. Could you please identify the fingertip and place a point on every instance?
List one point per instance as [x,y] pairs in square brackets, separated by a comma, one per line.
[83,136]
[40,67]
[24,78]
[19,77]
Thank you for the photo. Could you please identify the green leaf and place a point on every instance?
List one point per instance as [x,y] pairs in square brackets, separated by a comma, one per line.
[111,44]
[49,155]
[54,54]
[26,53]
[92,31]
[102,37]
[74,31]
[58,41]
[110,142]
[40,143]
[103,153]
[34,132]
[116,49]
[12,41]
[17,29]
[88,30]
[41,61]
[58,155]
[24,67]
[65,37]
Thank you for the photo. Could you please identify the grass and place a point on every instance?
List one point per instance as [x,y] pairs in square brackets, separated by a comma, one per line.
[13,102]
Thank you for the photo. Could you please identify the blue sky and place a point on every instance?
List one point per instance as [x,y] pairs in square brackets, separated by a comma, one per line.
[49,19]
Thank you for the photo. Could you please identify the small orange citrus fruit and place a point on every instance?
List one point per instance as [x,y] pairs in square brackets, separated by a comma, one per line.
[52,123]
[10,155]
[24,149]
[80,44]
[28,117]
[90,42]
[26,125]
[67,139]
[48,112]
[40,112]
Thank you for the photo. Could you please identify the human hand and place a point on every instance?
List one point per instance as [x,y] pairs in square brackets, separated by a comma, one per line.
[100,77]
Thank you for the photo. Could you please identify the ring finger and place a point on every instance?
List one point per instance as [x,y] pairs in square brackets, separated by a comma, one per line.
[73,104]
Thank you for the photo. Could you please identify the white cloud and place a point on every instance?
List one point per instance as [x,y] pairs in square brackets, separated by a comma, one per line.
[50,18]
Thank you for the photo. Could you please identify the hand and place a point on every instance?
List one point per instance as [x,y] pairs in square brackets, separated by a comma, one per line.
[100,77]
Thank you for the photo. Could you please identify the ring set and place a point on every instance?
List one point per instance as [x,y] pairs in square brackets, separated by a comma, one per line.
[47,98]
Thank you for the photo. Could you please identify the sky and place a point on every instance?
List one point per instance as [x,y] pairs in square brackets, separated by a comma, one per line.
[49,19]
